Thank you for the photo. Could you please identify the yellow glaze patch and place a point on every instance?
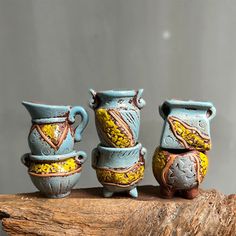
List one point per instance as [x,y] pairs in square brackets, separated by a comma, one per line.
[52,131]
[122,178]
[159,162]
[190,135]
[113,133]
[54,167]
[203,163]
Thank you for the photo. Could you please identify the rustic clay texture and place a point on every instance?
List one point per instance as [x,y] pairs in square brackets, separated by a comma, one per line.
[86,212]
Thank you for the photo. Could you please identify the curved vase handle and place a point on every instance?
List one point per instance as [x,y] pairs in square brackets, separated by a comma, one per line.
[211,113]
[81,157]
[143,152]
[95,155]
[94,101]
[78,110]
[164,110]
[140,102]
[25,159]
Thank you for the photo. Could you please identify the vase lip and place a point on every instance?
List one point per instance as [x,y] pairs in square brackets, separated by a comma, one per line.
[114,149]
[117,93]
[43,105]
[188,104]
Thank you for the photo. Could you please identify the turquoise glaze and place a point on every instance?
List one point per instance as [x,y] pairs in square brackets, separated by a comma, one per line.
[107,157]
[123,109]
[55,185]
[118,160]
[196,116]
[52,132]
[53,158]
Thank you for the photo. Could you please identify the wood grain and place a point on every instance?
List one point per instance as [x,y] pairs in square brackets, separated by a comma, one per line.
[86,212]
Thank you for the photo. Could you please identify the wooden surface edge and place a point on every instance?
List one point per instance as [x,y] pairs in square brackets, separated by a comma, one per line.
[86,212]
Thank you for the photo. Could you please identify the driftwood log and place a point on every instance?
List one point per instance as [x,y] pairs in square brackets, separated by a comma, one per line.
[86,212]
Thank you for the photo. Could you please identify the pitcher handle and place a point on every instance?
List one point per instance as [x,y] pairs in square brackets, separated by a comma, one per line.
[25,159]
[211,113]
[78,110]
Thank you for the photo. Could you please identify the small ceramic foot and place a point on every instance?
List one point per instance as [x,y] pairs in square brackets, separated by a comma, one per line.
[133,193]
[107,193]
[191,193]
[166,192]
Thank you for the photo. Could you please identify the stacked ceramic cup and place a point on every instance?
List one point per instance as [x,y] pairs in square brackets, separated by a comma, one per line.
[119,158]
[53,164]
[180,162]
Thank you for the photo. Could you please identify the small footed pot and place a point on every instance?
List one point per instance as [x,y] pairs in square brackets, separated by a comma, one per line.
[55,179]
[179,172]
[119,169]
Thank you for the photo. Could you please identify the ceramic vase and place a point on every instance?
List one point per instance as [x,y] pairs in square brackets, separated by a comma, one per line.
[119,160]
[186,124]
[117,116]
[179,172]
[53,165]
[180,162]
[119,169]
[52,131]
[55,178]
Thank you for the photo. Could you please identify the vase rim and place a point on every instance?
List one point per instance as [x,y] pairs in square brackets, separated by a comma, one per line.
[188,104]
[113,149]
[117,93]
[44,105]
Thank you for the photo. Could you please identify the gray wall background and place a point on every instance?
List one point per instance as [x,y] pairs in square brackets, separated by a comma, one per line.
[54,51]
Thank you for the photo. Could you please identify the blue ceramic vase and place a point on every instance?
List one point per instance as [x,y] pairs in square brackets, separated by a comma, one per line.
[53,164]
[119,169]
[186,124]
[55,178]
[117,116]
[52,132]
[180,162]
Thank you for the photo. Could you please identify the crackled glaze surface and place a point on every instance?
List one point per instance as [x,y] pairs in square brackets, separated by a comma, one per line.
[119,169]
[117,116]
[186,125]
[65,166]
[122,176]
[52,132]
[179,171]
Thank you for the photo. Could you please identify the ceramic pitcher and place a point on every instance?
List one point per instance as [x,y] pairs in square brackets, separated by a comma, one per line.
[52,131]
[117,116]
[186,124]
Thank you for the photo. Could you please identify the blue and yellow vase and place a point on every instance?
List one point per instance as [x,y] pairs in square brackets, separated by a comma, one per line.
[180,162]
[119,160]
[52,131]
[117,116]
[119,169]
[53,164]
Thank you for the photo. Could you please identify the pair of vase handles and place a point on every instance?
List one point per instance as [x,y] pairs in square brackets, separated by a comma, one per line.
[78,110]
[140,103]
[164,111]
